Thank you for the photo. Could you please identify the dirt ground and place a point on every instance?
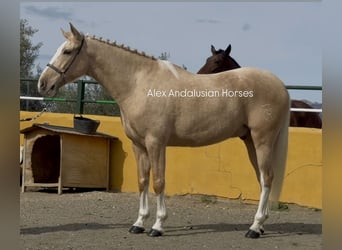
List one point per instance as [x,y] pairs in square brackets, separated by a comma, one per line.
[100,220]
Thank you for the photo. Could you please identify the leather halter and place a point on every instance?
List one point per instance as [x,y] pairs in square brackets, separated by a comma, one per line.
[63,72]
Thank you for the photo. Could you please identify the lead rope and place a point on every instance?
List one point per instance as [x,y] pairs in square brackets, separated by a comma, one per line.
[36,116]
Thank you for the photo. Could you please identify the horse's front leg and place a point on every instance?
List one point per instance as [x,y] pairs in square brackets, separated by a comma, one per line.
[143,166]
[156,153]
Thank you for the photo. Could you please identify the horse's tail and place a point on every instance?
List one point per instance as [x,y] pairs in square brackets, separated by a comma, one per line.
[279,161]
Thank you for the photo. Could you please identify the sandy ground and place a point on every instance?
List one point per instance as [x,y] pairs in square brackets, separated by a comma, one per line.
[100,220]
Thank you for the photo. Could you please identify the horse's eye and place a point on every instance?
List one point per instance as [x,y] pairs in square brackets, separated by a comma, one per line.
[67,52]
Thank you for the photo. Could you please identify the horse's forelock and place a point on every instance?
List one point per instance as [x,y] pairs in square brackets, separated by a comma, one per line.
[219,51]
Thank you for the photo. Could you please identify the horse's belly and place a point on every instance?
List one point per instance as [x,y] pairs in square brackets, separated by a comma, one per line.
[187,142]
[206,137]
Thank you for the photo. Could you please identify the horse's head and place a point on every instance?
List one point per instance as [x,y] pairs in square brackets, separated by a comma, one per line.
[219,61]
[66,65]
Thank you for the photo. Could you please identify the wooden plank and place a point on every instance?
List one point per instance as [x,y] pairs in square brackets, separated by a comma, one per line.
[107,163]
[60,181]
[42,185]
[84,161]
[23,167]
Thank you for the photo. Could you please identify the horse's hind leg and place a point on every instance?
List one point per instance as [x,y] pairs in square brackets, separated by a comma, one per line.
[143,165]
[263,149]
[253,159]
[252,154]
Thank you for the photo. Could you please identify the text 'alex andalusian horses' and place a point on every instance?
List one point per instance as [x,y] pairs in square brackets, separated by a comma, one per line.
[163,105]
[220,61]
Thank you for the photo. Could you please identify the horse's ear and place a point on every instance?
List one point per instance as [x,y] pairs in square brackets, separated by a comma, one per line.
[75,32]
[213,50]
[67,35]
[227,51]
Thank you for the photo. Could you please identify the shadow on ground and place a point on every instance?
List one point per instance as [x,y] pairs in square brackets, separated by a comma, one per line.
[272,230]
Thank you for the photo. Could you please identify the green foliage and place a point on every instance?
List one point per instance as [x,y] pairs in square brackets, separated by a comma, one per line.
[93,92]
[96,92]
[164,56]
[28,51]
[28,54]
[208,199]
[278,206]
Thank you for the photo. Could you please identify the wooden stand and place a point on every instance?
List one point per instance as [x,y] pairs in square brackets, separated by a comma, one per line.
[60,157]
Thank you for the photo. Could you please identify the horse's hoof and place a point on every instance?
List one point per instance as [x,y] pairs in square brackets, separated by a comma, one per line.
[136,230]
[252,234]
[155,233]
[262,231]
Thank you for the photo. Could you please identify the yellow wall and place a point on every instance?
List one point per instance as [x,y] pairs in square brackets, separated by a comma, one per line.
[222,169]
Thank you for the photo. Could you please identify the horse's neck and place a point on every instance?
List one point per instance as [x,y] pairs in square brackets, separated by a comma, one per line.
[115,68]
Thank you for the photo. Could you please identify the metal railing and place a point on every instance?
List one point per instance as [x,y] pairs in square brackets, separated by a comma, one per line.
[301,87]
[80,101]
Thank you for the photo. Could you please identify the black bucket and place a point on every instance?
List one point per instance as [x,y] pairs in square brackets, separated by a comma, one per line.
[85,125]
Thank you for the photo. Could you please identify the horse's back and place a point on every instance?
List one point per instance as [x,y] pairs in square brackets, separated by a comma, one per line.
[254,77]
[264,96]
[260,86]
[248,98]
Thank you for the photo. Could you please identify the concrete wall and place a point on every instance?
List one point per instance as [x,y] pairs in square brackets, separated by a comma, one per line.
[222,169]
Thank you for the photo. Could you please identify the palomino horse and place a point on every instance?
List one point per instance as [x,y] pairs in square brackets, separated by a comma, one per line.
[222,61]
[163,105]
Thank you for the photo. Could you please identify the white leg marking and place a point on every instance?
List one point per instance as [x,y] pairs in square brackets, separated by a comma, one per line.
[143,209]
[262,212]
[21,154]
[161,213]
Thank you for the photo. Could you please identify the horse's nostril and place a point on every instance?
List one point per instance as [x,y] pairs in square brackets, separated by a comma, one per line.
[42,85]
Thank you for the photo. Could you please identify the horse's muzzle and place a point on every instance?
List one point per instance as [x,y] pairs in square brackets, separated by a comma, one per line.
[45,90]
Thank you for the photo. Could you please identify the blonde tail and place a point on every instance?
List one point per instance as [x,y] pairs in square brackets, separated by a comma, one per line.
[279,162]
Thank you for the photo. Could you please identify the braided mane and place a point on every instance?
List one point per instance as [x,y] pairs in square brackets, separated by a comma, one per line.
[121,46]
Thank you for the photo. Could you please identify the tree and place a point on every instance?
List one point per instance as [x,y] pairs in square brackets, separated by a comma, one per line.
[164,56]
[28,54]
[92,92]
[28,51]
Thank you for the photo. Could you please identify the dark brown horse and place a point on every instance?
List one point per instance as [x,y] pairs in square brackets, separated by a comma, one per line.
[222,61]
[219,61]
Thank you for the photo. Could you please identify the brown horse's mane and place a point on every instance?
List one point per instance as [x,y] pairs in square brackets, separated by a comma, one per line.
[120,46]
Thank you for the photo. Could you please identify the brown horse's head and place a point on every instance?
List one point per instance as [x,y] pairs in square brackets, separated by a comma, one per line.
[219,61]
